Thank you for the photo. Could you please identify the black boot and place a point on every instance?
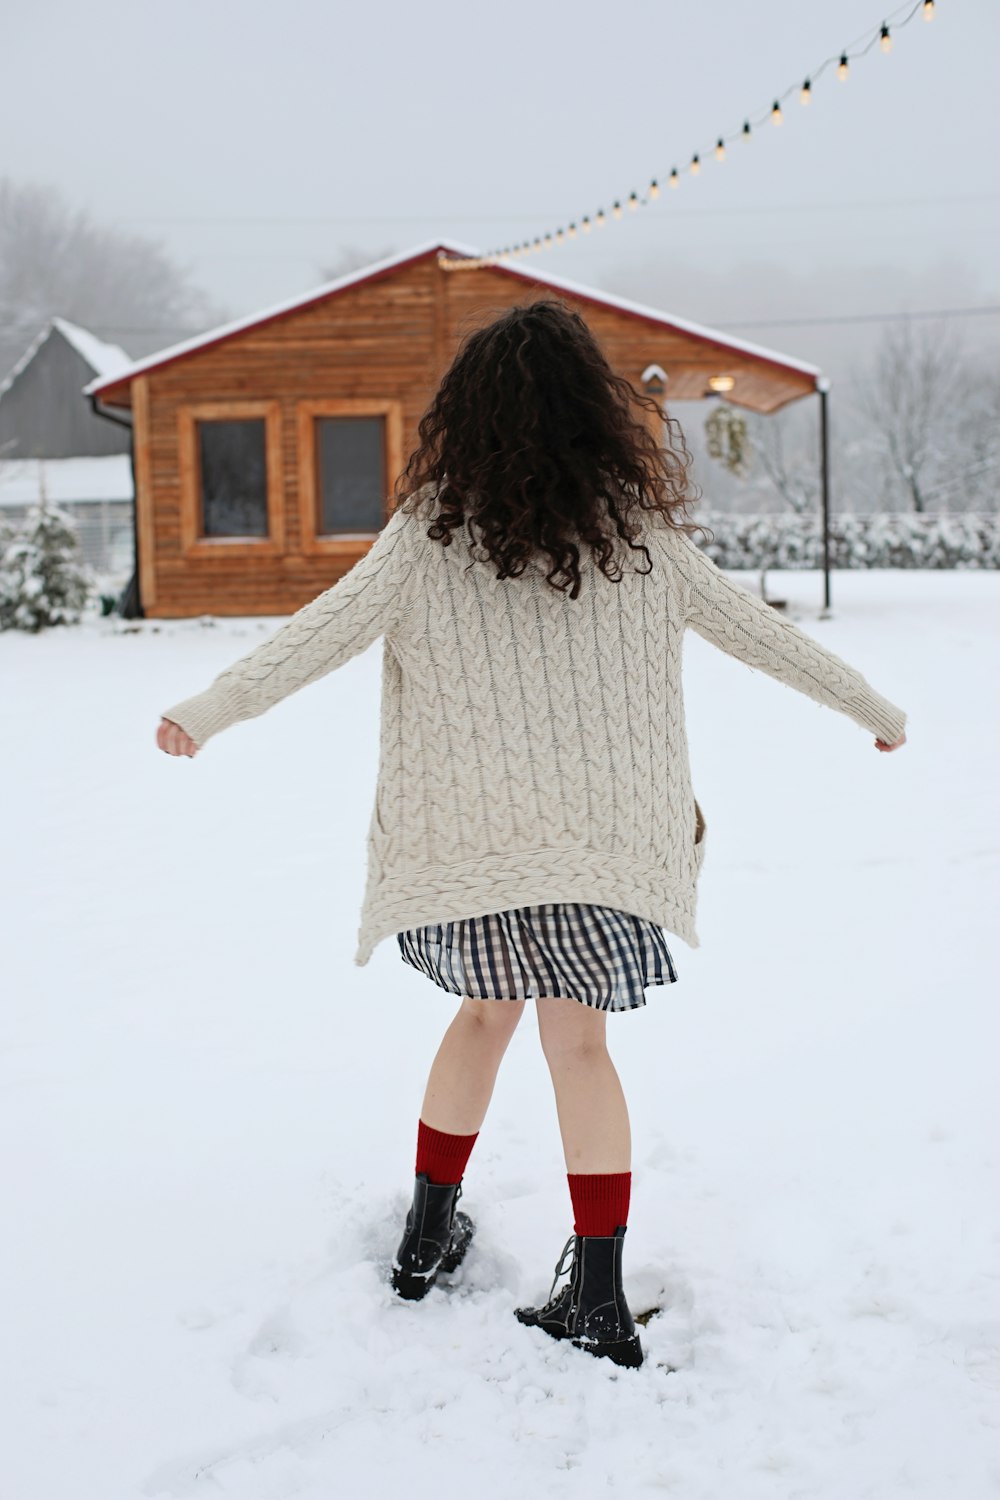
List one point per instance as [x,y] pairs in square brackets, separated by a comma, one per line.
[435,1239]
[591,1310]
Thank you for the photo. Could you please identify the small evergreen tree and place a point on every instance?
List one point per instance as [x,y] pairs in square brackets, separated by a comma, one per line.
[43,580]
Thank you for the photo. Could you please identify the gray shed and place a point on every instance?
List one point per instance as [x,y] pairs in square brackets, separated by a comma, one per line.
[42,411]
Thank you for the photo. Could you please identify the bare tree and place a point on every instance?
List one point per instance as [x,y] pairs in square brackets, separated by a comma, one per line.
[56,260]
[908,401]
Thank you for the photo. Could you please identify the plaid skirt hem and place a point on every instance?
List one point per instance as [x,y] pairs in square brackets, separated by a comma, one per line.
[600,956]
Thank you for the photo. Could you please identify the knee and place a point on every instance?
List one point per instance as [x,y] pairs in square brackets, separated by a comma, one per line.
[493,1019]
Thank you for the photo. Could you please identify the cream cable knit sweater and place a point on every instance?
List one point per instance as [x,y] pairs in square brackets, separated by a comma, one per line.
[532,746]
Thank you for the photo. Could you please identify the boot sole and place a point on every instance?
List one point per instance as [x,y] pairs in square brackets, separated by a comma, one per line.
[625,1352]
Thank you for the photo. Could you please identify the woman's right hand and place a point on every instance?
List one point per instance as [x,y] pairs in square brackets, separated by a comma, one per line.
[881,744]
[175,740]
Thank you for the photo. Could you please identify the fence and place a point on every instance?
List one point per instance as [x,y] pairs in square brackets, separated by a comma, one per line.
[104,527]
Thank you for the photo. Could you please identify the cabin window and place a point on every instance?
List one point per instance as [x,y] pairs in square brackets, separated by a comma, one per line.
[232,458]
[349,454]
[350,477]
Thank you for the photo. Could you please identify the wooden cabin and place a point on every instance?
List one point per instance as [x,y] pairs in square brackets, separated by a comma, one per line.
[265,452]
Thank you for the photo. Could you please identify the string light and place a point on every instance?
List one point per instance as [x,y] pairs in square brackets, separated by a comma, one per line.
[841,66]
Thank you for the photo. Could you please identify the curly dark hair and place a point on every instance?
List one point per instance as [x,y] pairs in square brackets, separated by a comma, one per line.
[534,437]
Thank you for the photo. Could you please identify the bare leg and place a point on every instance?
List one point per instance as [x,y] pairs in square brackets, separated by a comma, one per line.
[593,1115]
[464,1071]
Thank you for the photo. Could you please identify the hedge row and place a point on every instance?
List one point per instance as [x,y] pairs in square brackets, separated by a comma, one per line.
[856,541]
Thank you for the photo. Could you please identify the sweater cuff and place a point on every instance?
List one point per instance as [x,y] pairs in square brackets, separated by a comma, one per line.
[206,713]
[876,714]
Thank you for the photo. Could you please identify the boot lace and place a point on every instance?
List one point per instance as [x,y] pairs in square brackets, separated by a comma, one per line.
[562,1265]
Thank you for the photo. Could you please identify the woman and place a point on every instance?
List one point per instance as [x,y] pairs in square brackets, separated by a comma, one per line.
[535,833]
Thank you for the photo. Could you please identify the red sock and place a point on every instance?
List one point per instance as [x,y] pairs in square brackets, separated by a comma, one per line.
[600,1200]
[443,1157]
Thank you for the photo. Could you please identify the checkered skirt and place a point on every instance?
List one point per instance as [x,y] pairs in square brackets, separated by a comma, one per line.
[598,955]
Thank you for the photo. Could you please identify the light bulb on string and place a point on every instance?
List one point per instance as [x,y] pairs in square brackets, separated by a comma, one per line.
[599,218]
[747,133]
[559,236]
[633,201]
[675,180]
[547,242]
[571,231]
[654,189]
[928,10]
[585,224]
[695,165]
[884,39]
[616,209]
[843,67]
[720,149]
[806,95]
[776,115]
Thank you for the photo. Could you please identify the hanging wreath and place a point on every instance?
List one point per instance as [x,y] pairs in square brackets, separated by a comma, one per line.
[728,440]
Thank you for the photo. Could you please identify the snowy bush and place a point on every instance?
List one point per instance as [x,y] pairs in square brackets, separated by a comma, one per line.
[42,579]
[856,541]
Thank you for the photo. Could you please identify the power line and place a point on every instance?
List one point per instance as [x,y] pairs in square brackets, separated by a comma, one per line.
[897,317]
[988,310]
[318,221]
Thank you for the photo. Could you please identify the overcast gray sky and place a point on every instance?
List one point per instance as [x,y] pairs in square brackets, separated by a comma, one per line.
[260,142]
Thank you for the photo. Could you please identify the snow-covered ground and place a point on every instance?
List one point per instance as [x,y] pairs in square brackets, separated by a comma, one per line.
[209,1111]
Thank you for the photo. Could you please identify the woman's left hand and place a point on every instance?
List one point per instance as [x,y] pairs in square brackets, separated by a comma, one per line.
[882,745]
[175,740]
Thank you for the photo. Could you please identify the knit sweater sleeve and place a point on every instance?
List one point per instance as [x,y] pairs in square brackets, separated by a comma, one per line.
[730,617]
[368,601]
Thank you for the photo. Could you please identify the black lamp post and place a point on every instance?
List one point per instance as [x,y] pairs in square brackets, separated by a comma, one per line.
[823,391]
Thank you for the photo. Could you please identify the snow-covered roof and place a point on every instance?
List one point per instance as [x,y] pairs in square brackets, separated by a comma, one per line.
[451,247]
[104,359]
[26,358]
[63,480]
